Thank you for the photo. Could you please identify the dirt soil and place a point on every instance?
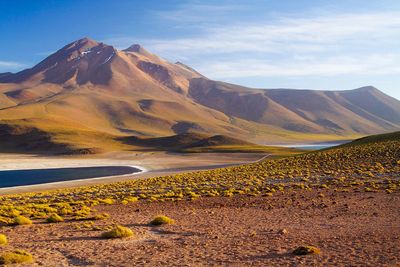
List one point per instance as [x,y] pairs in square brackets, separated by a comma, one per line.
[351,229]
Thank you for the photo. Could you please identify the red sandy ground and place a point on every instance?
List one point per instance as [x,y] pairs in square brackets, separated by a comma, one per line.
[351,229]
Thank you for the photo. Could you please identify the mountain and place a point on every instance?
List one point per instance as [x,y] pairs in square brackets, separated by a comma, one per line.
[88,95]
[365,110]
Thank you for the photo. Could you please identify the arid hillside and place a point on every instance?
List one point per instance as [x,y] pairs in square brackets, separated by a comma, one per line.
[88,96]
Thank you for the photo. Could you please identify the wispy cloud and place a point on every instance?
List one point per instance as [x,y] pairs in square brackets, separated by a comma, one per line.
[199,12]
[10,65]
[289,35]
[378,64]
[328,44]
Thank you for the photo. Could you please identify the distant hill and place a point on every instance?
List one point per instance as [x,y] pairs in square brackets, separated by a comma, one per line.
[373,139]
[219,140]
[165,143]
[365,110]
[89,95]
[184,141]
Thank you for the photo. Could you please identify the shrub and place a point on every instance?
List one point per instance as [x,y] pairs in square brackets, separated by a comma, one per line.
[193,195]
[118,232]
[83,212]
[65,211]
[161,219]
[5,221]
[54,218]
[227,193]
[131,199]
[3,240]
[39,215]
[17,256]
[107,201]
[21,220]
[101,216]
[389,191]
[88,224]
[306,250]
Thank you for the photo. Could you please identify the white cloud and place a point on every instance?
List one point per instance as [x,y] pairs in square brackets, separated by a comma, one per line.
[330,44]
[288,35]
[11,65]
[379,64]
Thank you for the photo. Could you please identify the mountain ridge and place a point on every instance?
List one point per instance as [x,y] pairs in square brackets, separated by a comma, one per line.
[91,87]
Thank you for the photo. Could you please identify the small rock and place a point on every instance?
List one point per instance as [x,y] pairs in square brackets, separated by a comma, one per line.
[306,250]
[283,231]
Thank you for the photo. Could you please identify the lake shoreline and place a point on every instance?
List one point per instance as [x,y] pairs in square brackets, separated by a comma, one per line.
[315,146]
[28,177]
[152,165]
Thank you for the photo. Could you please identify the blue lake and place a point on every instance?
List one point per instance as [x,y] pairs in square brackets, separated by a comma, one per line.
[313,146]
[40,176]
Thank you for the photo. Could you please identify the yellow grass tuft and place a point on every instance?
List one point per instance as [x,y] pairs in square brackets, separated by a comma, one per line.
[118,232]
[54,218]
[3,240]
[22,220]
[16,256]
[101,216]
[162,219]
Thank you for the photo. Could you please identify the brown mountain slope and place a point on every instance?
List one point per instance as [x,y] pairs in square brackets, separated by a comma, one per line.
[88,90]
[117,92]
[369,101]
[364,110]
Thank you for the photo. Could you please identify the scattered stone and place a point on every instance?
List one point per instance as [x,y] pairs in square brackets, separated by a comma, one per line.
[306,250]
[283,231]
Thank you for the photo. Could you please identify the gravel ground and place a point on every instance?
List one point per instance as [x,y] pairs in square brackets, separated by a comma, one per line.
[351,229]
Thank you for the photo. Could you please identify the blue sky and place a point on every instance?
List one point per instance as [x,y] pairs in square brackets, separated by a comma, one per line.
[321,44]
